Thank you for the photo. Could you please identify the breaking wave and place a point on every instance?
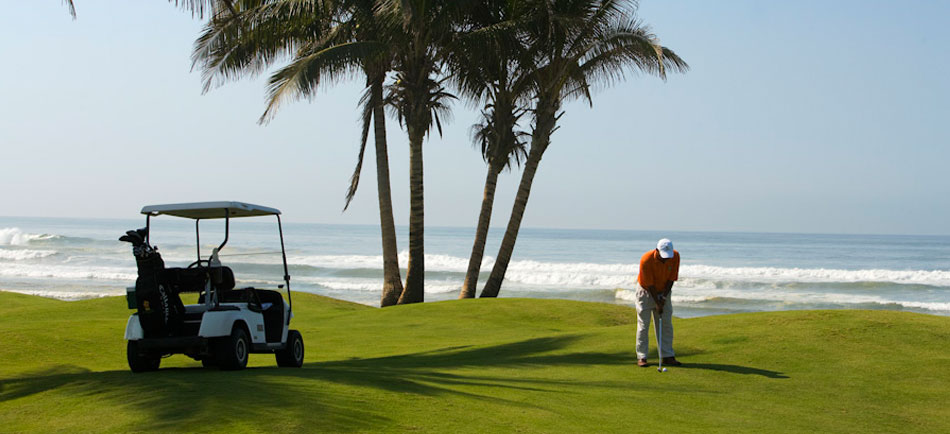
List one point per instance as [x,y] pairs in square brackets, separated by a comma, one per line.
[375,285]
[16,237]
[23,255]
[583,274]
[770,274]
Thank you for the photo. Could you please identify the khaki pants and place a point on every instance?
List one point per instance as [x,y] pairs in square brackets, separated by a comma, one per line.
[645,310]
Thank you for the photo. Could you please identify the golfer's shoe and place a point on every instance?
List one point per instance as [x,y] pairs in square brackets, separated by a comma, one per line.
[642,363]
[671,361]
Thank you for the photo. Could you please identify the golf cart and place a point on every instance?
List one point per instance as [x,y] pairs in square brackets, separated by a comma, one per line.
[227,323]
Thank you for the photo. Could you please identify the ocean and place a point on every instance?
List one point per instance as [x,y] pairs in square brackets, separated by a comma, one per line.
[720,272]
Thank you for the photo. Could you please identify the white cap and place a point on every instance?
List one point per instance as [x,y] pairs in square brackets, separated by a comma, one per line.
[665,247]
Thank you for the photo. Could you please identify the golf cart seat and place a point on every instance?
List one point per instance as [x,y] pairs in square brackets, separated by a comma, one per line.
[194,279]
[269,303]
[272,304]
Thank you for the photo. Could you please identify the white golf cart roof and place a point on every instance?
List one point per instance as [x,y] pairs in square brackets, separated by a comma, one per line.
[209,210]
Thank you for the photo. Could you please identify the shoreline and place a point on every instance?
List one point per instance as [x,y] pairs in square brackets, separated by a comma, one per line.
[681,309]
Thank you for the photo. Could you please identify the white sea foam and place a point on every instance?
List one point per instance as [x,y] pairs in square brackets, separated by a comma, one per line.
[771,274]
[67,295]
[338,261]
[698,285]
[526,271]
[591,275]
[67,272]
[16,237]
[576,275]
[368,285]
[22,255]
[936,307]
[815,298]
[433,262]
[625,294]
[631,295]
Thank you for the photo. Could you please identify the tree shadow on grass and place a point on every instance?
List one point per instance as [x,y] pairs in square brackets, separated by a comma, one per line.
[187,399]
[312,397]
[735,369]
[423,372]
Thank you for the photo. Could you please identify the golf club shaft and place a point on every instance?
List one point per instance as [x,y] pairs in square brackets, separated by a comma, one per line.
[658,322]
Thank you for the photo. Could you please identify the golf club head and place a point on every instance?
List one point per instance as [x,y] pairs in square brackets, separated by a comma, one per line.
[136,236]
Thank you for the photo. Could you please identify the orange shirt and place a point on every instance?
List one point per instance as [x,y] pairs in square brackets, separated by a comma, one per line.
[655,273]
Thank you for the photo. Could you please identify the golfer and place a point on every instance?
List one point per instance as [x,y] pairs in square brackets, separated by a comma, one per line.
[659,268]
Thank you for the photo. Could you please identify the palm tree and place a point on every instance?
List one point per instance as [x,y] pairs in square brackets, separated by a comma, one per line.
[424,32]
[488,76]
[575,43]
[327,40]
[501,145]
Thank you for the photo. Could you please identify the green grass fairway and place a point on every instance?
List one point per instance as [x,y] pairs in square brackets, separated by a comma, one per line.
[504,365]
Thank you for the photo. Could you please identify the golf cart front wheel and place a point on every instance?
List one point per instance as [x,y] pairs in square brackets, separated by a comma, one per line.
[292,355]
[231,352]
[139,362]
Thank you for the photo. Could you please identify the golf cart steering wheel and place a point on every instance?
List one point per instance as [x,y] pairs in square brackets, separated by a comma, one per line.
[199,262]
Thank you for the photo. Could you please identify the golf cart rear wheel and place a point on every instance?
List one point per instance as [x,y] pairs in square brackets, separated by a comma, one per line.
[292,355]
[231,352]
[139,362]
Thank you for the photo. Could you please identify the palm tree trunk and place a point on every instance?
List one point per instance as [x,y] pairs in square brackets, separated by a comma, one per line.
[392,281]
[540,139]
[415,274]
[481,233]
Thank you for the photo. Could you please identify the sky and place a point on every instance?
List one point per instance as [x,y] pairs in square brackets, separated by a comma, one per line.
[808,116]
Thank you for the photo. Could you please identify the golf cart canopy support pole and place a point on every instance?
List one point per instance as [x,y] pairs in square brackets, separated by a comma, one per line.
[197,239]
[227,228]
[283,254]
[227,233]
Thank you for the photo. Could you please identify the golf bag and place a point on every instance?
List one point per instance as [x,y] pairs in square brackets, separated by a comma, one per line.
[160,310]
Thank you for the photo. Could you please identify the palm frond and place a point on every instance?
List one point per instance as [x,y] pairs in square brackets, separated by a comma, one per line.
[311,68]
[201,7]
[247,43]
[72,8]
[582,43]
[367,103]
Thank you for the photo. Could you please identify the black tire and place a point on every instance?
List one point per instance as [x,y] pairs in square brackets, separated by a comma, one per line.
[209,363]
[141,362]
[292,355]
[231,352]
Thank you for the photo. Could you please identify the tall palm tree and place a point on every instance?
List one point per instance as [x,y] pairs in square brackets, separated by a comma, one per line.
[575,43]
[492,76]
[424,32]
[501,145]
[327,40]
